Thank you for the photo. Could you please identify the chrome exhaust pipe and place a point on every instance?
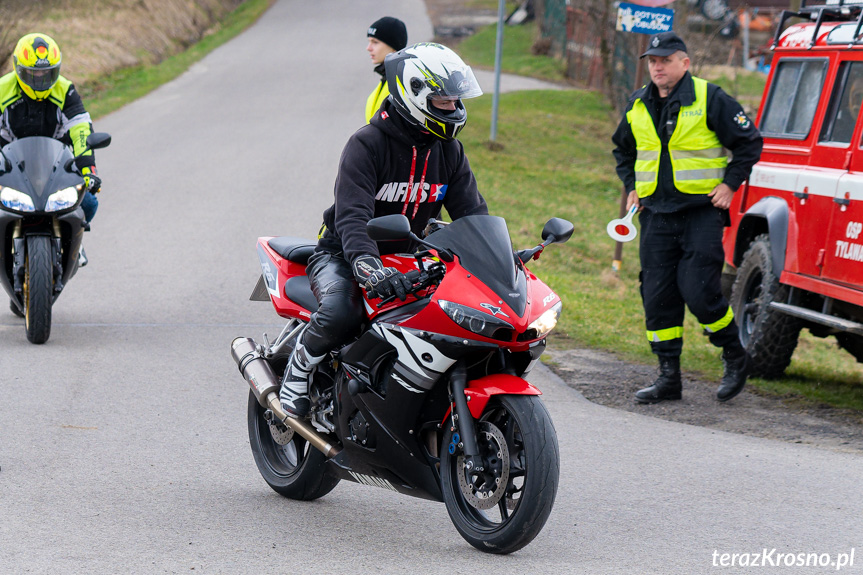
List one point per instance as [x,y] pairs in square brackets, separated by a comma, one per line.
[265,385]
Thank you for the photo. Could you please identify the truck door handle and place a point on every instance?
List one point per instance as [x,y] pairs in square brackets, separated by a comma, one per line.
[802,195]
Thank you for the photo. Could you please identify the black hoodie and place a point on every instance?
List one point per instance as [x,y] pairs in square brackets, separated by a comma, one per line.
[376,165]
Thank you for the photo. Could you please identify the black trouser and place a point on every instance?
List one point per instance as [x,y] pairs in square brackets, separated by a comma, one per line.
[340,303]
[681,265]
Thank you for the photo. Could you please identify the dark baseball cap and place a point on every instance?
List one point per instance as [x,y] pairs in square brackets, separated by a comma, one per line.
[664,44]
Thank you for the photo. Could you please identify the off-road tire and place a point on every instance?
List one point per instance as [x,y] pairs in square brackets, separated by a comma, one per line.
[852,343]
[769,335]
[38,288]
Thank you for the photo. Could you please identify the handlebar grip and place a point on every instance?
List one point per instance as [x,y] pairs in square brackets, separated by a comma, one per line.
[412,276]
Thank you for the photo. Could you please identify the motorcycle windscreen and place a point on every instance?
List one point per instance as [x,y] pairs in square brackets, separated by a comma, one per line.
[484,248]
[38,155]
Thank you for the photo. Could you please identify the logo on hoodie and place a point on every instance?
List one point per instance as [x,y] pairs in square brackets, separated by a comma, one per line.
[396,191]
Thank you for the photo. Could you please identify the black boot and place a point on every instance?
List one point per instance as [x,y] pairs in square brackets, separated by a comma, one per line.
[737,366]
[667,386]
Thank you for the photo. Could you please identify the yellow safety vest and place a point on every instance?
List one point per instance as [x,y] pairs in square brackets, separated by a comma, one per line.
[376,98]
[698,159]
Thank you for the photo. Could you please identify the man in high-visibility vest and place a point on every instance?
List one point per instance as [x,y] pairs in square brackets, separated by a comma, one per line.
[386,35]
[672,155]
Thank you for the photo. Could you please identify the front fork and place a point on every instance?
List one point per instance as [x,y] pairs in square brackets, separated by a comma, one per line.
[17,259]
[19,254]
[463,421]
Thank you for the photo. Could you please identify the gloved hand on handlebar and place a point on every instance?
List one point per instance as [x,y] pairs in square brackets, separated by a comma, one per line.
[378,281]
[92,182]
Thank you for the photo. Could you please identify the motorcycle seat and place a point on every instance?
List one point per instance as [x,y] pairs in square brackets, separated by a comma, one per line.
[299,291]
[297,250]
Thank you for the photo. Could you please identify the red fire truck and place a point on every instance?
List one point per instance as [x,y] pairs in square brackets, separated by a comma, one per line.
[794,250]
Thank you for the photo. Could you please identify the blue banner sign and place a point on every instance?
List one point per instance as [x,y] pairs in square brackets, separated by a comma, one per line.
[644,19]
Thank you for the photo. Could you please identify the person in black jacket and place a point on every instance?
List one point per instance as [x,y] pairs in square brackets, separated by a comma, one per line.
[671,151]
[406,161]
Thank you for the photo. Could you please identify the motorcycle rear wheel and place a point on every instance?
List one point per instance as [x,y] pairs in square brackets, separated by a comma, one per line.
[38,289]
[517,429]
[295,470]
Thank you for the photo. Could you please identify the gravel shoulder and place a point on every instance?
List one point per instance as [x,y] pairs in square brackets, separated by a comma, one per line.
[604,379]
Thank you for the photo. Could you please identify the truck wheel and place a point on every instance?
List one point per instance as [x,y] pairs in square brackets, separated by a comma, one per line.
[769,335]
[851,343]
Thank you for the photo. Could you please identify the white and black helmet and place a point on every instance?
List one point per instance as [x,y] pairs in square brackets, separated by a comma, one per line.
[422,71]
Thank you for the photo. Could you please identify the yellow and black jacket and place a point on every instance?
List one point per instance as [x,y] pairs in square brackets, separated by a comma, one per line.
[673,151]
[378,95]
[61,116]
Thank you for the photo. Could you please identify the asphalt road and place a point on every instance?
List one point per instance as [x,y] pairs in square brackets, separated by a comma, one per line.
[123,440]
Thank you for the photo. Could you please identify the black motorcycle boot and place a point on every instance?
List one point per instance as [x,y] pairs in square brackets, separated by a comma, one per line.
[737,367]
[667,386]
[294,395]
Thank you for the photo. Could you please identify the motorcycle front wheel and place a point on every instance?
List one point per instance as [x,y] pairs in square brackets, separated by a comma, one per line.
[286,461]
[38,288]
[502,508]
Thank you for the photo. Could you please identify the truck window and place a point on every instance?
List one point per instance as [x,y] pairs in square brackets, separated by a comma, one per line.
[793,98]
[844,104]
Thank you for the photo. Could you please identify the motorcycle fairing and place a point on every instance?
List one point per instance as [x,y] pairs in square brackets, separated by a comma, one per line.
[421,364]
[484,249]
[387,443]
[276,271]
[38,169]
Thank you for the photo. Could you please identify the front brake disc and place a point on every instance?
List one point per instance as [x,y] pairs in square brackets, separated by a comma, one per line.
[485,489]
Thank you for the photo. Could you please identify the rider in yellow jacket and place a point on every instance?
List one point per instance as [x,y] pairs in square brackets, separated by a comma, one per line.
[35,100]
[386,35]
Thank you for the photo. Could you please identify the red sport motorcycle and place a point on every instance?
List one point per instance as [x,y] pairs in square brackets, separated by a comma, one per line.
[430,400]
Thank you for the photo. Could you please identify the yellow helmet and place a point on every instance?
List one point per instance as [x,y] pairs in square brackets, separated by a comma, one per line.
[37,64]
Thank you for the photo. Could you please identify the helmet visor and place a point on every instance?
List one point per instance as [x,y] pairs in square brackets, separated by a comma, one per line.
[39,79]
[461,83]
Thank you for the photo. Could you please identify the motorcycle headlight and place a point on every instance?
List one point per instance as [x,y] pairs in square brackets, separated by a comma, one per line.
[546,322]
[15,200]
[476,321]
[63,199]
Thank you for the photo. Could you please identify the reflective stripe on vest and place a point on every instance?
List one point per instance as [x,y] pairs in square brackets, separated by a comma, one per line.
[665,334]
[698,159]
[722,323]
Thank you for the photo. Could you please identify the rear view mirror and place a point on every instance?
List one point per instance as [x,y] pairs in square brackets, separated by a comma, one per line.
[389,228]
[98,140]
[559,230]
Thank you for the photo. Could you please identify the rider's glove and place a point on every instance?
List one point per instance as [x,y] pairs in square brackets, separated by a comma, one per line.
[378,281]
[92,182]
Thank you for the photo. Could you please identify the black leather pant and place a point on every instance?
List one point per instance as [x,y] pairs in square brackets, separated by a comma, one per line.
[340,303]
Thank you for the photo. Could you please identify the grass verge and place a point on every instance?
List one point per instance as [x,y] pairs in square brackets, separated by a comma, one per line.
[516,56]
[556,161]
[108,93]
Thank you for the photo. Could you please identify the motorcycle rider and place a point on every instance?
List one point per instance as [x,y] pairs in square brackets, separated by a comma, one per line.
[408,161]
[35,100]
